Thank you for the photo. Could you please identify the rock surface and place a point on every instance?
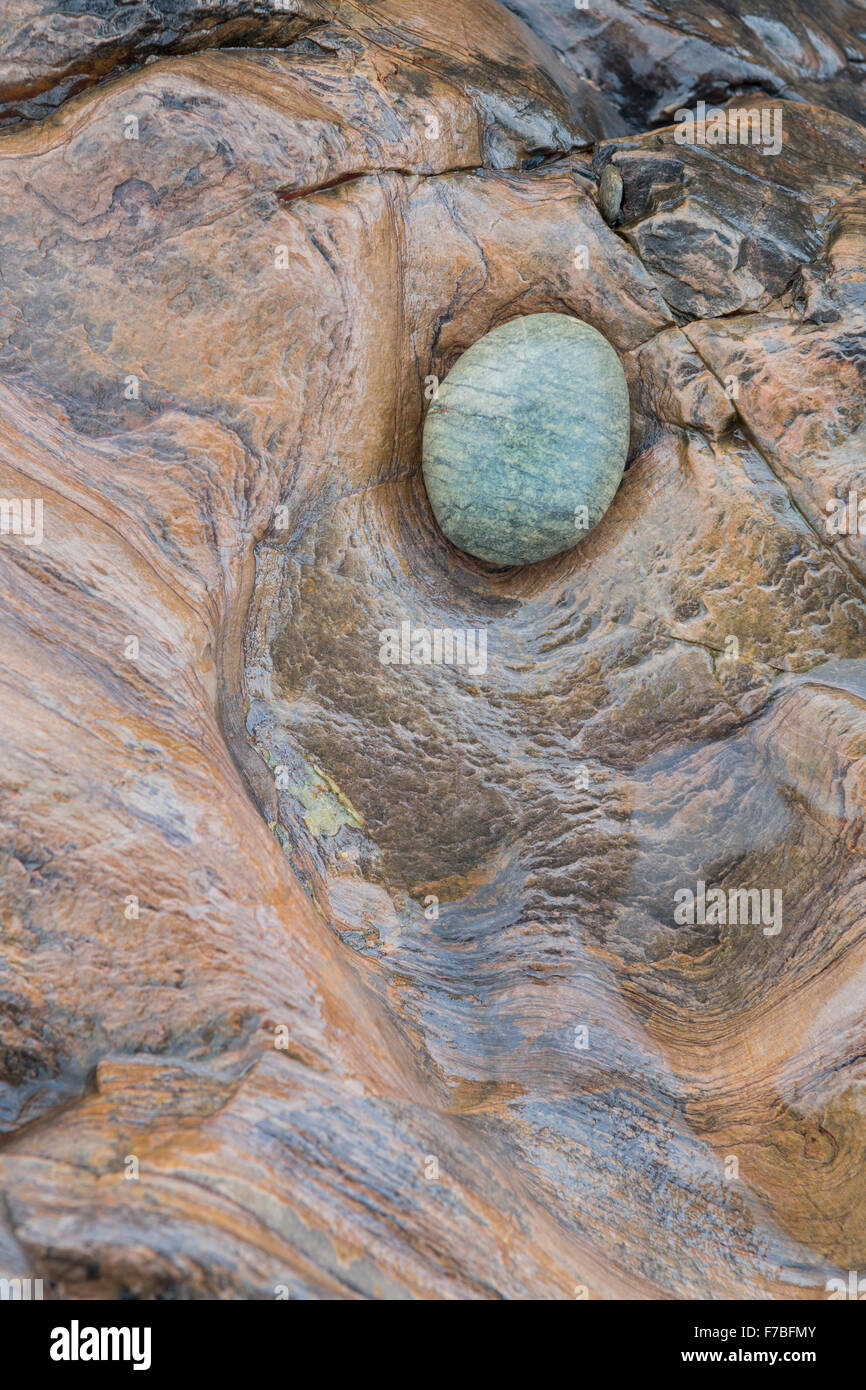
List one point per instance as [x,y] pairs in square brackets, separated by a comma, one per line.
[650,57]
[374,971]
[525,441]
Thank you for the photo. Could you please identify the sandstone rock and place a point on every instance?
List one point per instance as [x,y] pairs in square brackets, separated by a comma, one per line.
[374,969]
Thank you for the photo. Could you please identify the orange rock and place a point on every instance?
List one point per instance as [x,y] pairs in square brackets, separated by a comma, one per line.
[324,978]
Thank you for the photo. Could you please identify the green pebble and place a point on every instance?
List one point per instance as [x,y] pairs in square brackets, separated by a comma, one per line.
[525,441]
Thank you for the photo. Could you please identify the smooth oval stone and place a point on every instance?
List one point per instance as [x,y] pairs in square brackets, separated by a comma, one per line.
[529,428]
[610,194]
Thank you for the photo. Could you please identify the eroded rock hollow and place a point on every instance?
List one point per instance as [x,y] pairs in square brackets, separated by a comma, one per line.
[332,969]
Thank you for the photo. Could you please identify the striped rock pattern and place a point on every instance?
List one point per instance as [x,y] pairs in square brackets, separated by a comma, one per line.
[526,440]
[376,970]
